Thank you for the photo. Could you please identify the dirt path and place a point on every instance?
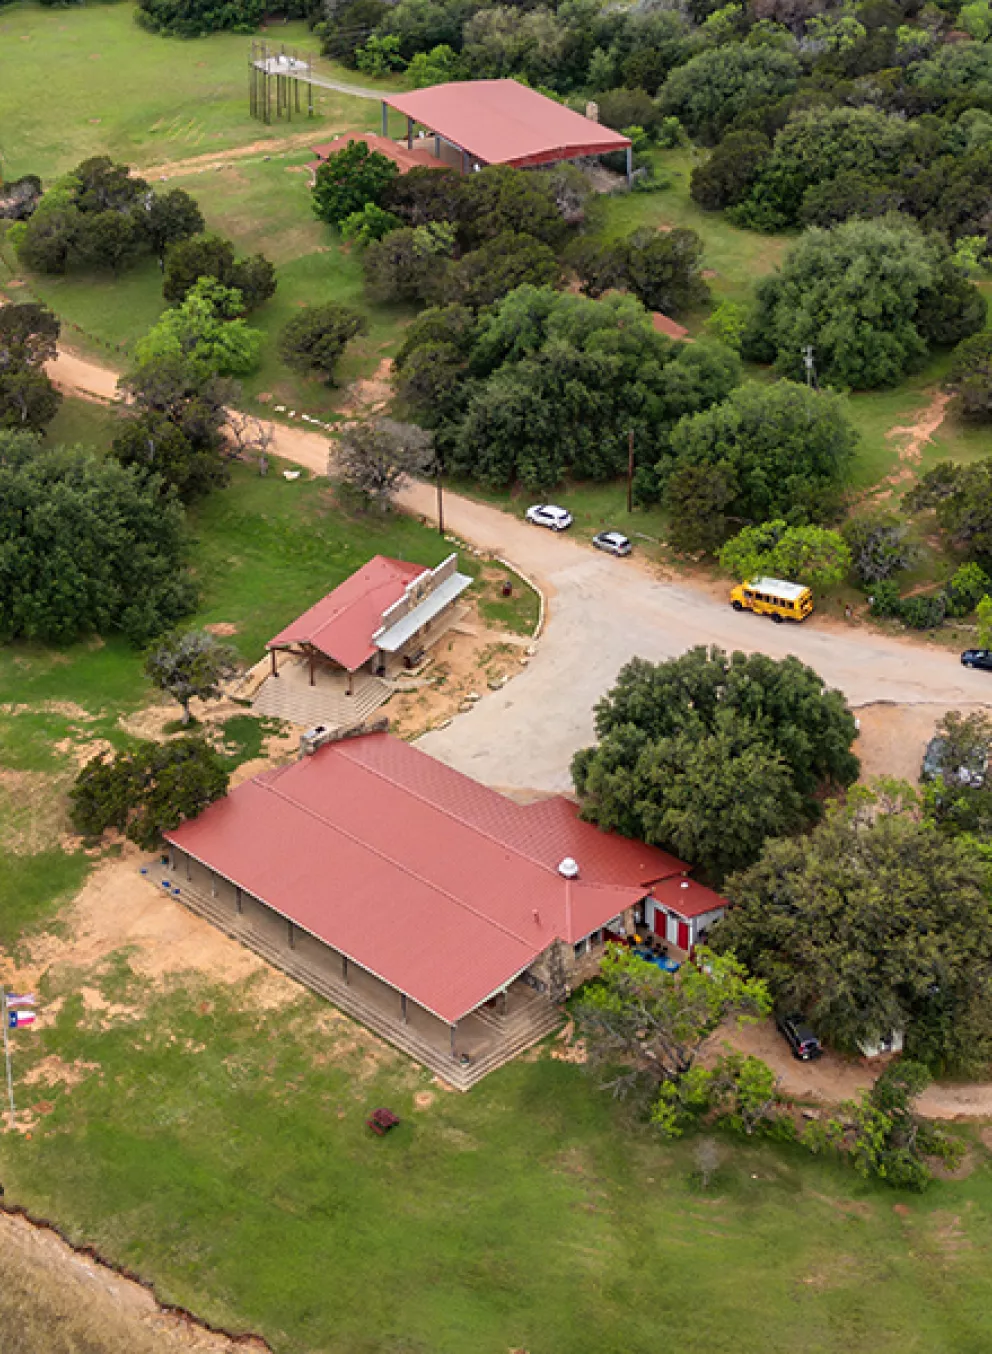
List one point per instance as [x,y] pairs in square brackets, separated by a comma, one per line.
[194,164]
[832,1078]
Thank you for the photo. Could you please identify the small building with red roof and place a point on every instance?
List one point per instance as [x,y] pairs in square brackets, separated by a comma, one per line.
[377,620]
[447,917]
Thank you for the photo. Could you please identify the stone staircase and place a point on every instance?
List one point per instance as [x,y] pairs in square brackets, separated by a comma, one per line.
[299,703]
[518,1032]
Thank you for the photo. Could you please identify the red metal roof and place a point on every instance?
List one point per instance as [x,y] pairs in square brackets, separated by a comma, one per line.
[341,625]
[436,884]
[687,897]
[503,123]
[397,151]
[664,325]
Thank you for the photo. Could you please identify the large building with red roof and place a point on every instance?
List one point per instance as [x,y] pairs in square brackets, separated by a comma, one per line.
[439,912]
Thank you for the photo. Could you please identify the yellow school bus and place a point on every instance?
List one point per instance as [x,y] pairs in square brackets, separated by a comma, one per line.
[773,597]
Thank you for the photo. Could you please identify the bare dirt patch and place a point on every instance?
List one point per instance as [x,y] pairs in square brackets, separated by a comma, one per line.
[221,628]
[893,738]
[370,395]
[916,435]
[54,1071]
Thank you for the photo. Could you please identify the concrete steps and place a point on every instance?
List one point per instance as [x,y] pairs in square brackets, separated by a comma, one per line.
[297,703]
[519,1031]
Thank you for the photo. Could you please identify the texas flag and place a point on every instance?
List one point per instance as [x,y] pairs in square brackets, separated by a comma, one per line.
[15,1019]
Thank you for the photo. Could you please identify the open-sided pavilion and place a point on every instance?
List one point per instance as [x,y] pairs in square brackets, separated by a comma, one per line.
[500,122]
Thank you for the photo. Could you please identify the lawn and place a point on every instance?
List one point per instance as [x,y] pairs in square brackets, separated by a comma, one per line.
[217,1147]
[88,81]
[736,258]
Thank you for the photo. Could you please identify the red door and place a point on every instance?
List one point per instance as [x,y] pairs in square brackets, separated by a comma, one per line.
[683,935]
[659,922]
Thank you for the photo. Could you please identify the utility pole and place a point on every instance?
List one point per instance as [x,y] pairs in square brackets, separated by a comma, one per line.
[630,471]
[809,365]
[6,1054]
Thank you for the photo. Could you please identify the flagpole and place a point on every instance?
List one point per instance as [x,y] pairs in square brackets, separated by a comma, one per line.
[6,1054]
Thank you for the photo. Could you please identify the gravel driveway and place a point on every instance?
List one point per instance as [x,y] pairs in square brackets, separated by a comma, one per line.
[603,611]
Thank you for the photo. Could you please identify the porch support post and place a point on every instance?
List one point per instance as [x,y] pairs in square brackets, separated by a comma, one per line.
[344,957]
[275,670]
[351,683]
[189,869]
[630,165]
[452,1029]
[239,905]
[385,118]
[291,932]
[437,147]
[312,683]
[464,161]
[213,884]
[409,133]
[403,1013]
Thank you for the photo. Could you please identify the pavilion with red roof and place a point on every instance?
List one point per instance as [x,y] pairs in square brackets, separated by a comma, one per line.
[374,620]
[447,917]
[501,122]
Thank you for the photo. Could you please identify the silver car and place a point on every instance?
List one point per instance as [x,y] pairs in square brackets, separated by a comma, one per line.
[613,542]
[548,515]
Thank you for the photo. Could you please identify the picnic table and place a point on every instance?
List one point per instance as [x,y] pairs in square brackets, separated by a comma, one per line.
[380,1121]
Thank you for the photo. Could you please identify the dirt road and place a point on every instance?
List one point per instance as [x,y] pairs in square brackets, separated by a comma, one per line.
[602,612]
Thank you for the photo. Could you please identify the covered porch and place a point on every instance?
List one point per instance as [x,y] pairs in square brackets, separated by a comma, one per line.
[461,1053]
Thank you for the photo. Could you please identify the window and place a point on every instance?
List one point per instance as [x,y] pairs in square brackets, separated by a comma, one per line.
[581,948]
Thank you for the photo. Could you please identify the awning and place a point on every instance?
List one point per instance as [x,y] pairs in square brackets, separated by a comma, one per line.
[395,636]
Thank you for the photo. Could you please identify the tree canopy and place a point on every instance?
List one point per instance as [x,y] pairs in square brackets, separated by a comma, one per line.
[869,297]
[314,340]
[350,179]
[190,663]
[708,755]
[555,384]
[772,451]
[872,924]
[28,339]
[86,547]
[147,790]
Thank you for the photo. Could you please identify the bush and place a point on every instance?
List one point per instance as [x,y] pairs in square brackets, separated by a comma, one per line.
[885,598]
[194,18]
[966,589]
[923,612]
[148,790]
[314,340]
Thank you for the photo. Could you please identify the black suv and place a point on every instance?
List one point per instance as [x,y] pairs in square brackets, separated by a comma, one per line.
[799,1036]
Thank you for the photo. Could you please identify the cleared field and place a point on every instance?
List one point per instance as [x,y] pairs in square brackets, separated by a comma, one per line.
[78,82]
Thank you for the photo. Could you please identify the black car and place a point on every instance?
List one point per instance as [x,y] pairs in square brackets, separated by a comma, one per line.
[800,1038]
[977,658]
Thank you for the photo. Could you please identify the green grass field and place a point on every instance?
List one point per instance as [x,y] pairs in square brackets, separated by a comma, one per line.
[77,82]
[217,1146]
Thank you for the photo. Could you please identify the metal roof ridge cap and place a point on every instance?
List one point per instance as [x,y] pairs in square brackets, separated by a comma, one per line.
[404,869]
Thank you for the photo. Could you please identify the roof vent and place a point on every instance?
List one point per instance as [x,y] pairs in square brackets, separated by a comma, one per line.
[685,883]
[569,868]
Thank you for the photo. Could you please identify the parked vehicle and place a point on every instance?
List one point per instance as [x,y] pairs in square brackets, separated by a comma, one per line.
[800,1038]
[971,771]
[661,961]
[773,597]
[978,658]
[549,515]
[613,542]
